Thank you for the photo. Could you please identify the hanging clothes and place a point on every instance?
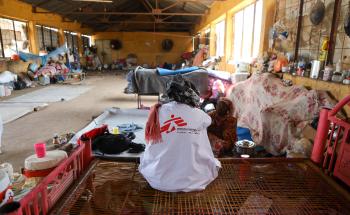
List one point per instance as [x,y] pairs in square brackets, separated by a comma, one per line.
[29,56]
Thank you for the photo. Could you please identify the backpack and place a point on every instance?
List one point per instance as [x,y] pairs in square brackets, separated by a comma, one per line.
[19,84]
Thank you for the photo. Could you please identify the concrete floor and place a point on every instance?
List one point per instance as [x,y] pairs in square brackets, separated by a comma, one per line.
[62,117]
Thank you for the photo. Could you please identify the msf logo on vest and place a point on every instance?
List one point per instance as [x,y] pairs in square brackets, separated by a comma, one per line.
[171,124]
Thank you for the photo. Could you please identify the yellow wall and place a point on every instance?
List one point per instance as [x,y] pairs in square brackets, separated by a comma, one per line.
[21,11]
[224,10]
[147,45]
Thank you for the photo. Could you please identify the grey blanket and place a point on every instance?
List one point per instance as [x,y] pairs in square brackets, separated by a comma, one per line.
[148,81]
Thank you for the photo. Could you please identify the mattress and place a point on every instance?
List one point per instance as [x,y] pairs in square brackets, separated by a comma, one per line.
[148,81]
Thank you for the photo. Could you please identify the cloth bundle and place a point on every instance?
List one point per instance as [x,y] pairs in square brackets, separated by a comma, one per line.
[116,144]
[53,69]
[108,143]
[181,90]
[129,127]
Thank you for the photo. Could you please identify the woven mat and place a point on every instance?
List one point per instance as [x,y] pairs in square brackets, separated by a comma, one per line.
[241,188]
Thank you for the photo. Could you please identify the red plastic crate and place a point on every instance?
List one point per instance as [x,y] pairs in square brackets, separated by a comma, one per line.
[44,196]
[332,143]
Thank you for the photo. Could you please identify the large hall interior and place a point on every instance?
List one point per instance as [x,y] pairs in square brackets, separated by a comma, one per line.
[174,107]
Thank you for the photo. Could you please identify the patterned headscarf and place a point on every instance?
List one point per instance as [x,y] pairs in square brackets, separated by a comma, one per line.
[183,91]
[224,107]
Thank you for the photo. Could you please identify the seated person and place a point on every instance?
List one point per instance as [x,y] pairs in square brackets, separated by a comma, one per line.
[222,131]
[178,156]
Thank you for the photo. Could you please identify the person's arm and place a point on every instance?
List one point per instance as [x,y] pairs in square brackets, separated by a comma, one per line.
[230,132]
[205,118]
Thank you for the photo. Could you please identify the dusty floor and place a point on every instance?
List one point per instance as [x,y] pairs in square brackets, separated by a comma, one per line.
[62,117]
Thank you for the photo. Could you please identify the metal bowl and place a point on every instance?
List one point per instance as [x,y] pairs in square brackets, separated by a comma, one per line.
[246,147]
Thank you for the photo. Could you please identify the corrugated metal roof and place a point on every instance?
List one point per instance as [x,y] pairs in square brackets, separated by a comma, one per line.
[115,15]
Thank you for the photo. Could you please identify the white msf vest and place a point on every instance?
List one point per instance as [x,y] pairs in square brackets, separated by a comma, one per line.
[184,160]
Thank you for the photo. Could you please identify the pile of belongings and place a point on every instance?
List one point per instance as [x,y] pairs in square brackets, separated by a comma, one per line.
[118,64]
[10,81]
[274,113]
[108,143]
[54,70]
[7,80]
[131,60]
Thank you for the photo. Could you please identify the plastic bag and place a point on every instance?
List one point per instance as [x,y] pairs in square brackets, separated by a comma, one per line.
[300,149]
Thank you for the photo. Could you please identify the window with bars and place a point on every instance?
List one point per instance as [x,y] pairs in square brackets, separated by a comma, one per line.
[13,37]
[47,38]
[220,38]
[86,39]
[196,42]
[247,32]
[71,40]
[207,36]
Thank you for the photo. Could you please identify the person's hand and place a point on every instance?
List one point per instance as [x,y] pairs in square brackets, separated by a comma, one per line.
[218,145]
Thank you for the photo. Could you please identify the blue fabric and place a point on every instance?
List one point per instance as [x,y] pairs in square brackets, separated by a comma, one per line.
[243,134]
[33,67]
[128,127]
[29,56]
[164,72]
[60,78]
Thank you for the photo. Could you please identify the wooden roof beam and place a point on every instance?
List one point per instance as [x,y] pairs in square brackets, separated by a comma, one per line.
[148,7]
[166,18]
[148,4]
[141,22]
[171,6]
[41,3]
[134,13]
[180,1]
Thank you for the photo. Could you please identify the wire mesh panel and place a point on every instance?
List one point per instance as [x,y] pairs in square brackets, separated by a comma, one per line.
[293,187]
[312,35]
[286,15]
[342,43]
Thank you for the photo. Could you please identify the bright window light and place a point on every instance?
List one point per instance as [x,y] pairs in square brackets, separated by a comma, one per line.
[220,38]
[247,32]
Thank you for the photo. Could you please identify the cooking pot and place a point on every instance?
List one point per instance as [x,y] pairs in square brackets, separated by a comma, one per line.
[245,147]
[317,12]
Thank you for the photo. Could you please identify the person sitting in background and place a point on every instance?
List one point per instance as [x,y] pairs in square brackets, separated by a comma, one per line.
[222,131]
[178,156]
